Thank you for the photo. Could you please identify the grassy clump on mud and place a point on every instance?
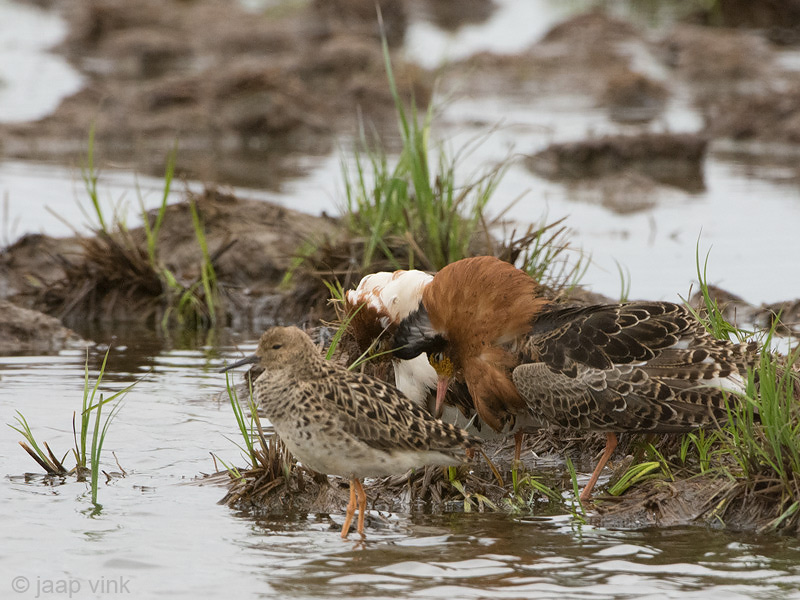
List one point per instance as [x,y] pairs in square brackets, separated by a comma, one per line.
[87,456]
[746,474]
[414,212]
[122,273]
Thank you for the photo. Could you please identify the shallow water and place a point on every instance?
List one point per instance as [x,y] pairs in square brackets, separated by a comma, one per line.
[160,532]
[32,80]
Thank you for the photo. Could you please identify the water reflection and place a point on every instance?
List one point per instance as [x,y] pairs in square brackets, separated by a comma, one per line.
[495,556]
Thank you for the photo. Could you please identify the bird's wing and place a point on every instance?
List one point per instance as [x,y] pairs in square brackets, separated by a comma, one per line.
[646,366]
[605,335]
[379,415]
[623,398]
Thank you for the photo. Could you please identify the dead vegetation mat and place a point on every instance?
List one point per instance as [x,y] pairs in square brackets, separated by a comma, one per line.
[277,485]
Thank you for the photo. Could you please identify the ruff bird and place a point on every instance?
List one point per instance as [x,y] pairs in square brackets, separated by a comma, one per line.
[344,423]
[375,308]
[632,367]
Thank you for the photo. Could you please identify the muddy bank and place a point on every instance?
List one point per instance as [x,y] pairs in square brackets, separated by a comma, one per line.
[253,246]
[29,332]
[253,251]
[111,278]
[229,85]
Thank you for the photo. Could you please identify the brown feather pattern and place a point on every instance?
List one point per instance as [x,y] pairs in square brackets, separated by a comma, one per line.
[325,413]
[462,302]
[639,366]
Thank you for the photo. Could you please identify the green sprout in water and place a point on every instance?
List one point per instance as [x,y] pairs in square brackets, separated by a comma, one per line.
[99,428]
[576,507]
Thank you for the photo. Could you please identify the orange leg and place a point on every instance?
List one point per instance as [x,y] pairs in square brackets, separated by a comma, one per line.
[351,509]
[361,495]
[611,443]
[518,437]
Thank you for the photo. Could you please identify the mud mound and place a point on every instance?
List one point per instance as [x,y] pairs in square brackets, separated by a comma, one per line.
[673,159]
[112,277]
[24,331]
[766,116]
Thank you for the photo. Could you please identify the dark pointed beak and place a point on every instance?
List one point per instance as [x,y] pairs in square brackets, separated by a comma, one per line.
[247,360]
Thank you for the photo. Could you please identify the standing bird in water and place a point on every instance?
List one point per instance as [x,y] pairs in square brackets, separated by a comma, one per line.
[633,367]
[344,423]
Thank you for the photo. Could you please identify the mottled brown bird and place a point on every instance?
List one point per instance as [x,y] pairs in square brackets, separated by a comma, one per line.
[633,367]
[345,423]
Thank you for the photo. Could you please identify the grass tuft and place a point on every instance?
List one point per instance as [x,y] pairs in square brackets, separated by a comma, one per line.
[414,211]
[90,421]
[121,265]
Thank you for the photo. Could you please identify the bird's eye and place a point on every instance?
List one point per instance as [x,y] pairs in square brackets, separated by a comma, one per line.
[436,358]
[277,346]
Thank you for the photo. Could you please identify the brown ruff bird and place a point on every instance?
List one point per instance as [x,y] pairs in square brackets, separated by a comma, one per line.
[634,367]
[345,423]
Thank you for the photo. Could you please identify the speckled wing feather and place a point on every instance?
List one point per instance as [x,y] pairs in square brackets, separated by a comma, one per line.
[380,416]
[624,398]
[634,367]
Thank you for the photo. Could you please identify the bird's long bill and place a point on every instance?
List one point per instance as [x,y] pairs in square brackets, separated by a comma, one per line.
[441,390]
[247,360]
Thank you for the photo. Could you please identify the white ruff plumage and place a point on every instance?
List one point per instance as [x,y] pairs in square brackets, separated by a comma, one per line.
[395,296]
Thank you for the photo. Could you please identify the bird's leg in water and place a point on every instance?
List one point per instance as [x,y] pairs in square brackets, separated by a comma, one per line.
[361,496]
[518,437]
[351,509]
[611,444]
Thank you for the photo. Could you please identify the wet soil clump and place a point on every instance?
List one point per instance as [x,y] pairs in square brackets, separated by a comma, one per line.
[705,500]
[111,277]
[29,332]
[672,159]
[230,85]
